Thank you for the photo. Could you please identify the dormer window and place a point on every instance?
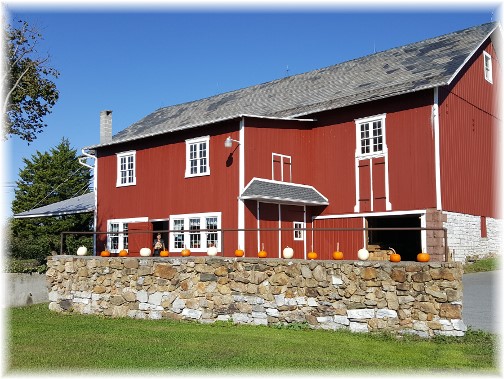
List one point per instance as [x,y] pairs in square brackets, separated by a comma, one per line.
[487,63]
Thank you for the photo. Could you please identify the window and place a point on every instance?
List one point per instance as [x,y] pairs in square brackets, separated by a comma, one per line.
[126,167]
[281,167]
[196,232]
[487,63]
[371,136]
[197,157]
[298,231]
[118,239]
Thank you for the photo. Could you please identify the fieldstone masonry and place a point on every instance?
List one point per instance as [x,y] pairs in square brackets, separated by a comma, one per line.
[363,296]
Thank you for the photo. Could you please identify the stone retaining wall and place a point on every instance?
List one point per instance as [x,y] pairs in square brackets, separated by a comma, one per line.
[363,296]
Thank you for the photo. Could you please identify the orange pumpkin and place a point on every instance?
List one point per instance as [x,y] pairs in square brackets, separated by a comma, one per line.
[312,255]
[262,254]
[423,257]
[123,253]
[239,253]
[338,255]
[186,252]
[164,253]
[105,253]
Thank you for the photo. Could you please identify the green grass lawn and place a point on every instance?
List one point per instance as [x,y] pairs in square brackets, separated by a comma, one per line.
[41,341]
[480,265]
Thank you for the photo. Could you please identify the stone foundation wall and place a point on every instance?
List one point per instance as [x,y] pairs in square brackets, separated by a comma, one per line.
[464,236]
[363,296]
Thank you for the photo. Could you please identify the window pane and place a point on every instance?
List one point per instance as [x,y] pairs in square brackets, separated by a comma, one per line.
[114,237]
[377,136]
[194,235]
[125,236]
[212,238]
[178,237]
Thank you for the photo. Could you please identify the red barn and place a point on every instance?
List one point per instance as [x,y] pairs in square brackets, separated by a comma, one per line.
[404,138]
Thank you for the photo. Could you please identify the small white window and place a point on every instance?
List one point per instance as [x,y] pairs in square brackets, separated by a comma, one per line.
[196,232]
[487,62]
[298,231]
[370,136]
[126,169]
[197,157]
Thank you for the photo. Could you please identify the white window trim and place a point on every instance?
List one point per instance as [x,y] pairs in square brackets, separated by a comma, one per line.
[121,222]
[282,157]
[487,67]
[187,239]
[371,154]
[118,171]
[189,142]
[297,225]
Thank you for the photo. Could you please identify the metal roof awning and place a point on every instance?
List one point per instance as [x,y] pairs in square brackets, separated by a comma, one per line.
[272,191]
[80,204]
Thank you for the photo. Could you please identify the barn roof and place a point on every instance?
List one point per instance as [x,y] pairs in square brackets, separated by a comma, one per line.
[282,192]
[417,66]
[80,204]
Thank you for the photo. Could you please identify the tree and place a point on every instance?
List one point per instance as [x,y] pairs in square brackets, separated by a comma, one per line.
[48,178]
[29,92]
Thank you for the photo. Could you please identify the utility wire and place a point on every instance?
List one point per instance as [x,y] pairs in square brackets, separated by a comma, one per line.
[59,185]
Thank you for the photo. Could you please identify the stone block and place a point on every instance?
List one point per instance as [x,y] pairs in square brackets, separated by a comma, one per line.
[360,313]
[191,313]
[359,327]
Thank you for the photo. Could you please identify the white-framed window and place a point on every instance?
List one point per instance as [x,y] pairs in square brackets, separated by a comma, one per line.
[126,169]
[487,65]
[197,232]
[281,167]
[299,231]
[197,157]
[370,136]
[117,238]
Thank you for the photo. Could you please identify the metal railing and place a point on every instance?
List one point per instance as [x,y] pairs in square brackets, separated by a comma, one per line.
[224,231]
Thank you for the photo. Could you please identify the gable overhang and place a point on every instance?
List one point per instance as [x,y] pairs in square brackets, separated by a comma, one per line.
[483,40]
[273,191]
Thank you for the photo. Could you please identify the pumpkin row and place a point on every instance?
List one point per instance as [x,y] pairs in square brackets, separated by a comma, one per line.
[287,253]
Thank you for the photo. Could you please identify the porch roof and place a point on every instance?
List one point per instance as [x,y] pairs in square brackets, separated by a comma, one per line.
[79,204]
[272,191]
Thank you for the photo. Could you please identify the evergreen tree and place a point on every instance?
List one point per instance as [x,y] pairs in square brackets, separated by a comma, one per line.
[47,178]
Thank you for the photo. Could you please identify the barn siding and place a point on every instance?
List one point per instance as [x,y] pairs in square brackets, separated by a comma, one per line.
[325,242]
[468,136]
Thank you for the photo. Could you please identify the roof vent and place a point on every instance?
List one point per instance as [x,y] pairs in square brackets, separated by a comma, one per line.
[105,127]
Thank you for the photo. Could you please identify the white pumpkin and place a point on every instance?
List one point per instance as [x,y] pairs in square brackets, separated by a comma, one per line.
[363,254]
[82,250]
[212,251]
[145,252]
[288,252]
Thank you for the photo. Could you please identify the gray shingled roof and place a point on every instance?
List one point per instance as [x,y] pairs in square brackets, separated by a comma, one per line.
[282,192]
[80,204]
[426,64]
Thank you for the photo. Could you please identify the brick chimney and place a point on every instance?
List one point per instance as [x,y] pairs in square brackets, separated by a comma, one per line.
[105,126]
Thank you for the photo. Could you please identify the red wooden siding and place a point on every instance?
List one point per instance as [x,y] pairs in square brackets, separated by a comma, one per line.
[379,195]
[268,214]
[411,164]
[469,141]
[325,242]
[291,213]
[138,240]
[364,168]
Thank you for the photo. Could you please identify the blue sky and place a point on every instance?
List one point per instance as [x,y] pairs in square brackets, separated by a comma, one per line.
[134,61]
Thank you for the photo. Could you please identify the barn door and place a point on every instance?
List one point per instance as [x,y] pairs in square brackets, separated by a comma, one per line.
[371,185]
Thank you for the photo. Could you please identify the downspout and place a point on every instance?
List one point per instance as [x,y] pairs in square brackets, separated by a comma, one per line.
[437,154]
[82,161]
[241,185]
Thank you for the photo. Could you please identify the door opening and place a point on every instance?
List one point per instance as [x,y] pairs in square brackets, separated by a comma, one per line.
[407,243]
